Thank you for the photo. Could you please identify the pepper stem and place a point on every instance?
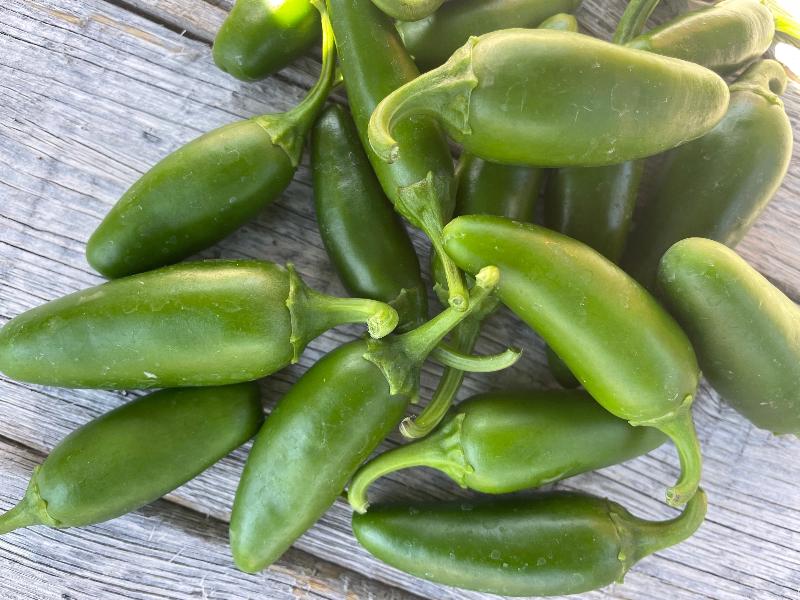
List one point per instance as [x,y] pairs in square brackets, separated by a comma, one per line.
[633,20]
[441,450]
[647,537]
[450,357]
[312,313]
[420,204]
[19,516]
[400,357]
[466,334]
[442,93]
[679,426]
[288,130]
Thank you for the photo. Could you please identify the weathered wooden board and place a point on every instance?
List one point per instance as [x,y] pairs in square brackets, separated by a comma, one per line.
[92,94]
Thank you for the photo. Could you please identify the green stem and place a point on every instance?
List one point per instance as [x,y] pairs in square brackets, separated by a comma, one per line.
[399,358]
[420,204]
[312,313]
[679,426]
[633,20]
[19,516]
[647,537]
[418,344]
[441,450]
[443,93]
[288,130]
[437,408]
[490,363]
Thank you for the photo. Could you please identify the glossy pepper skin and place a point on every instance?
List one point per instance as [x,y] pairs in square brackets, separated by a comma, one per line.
[626,350]
[432,40]
[552,544]
[746,331]
[208,188]
[259,38]
[408,10]
[135,454]
[487,188]
[206,323]
[511,96]
[722,37]
[716,186]
[323,429]
[365,239]
[504,442]
[374,63]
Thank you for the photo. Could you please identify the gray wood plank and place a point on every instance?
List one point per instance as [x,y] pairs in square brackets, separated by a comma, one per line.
[92,96]
[160,551]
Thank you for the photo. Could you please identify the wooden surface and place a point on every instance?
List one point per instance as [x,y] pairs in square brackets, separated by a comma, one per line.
[92,94]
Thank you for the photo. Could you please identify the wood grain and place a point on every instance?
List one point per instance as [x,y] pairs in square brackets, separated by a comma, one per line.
[92,94]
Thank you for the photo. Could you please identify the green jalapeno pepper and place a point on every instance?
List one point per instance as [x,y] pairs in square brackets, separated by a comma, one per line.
[259,38]
[556,98]
[408,10]
[206,323]
[367,242]
[375,63]
[553,544]
[326,426]
[135,454]
[745,330]
[722,37]
[716,186]
[510,441]
[625,349]
[431,41]
[208,188]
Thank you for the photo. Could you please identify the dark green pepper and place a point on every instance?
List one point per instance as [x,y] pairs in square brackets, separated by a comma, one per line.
[504,442]
[431,41]
[745,330]
[722,37]
[375,63]
[553,544]
[366,240]
[716,186]
[206,323]
[259,38]
[325,427]
[208,188]
[135,454]
[625,349]
[487,188]
[408,10]
[553,98]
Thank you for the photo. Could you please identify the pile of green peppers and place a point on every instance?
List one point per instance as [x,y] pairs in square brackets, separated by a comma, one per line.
[633,303]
